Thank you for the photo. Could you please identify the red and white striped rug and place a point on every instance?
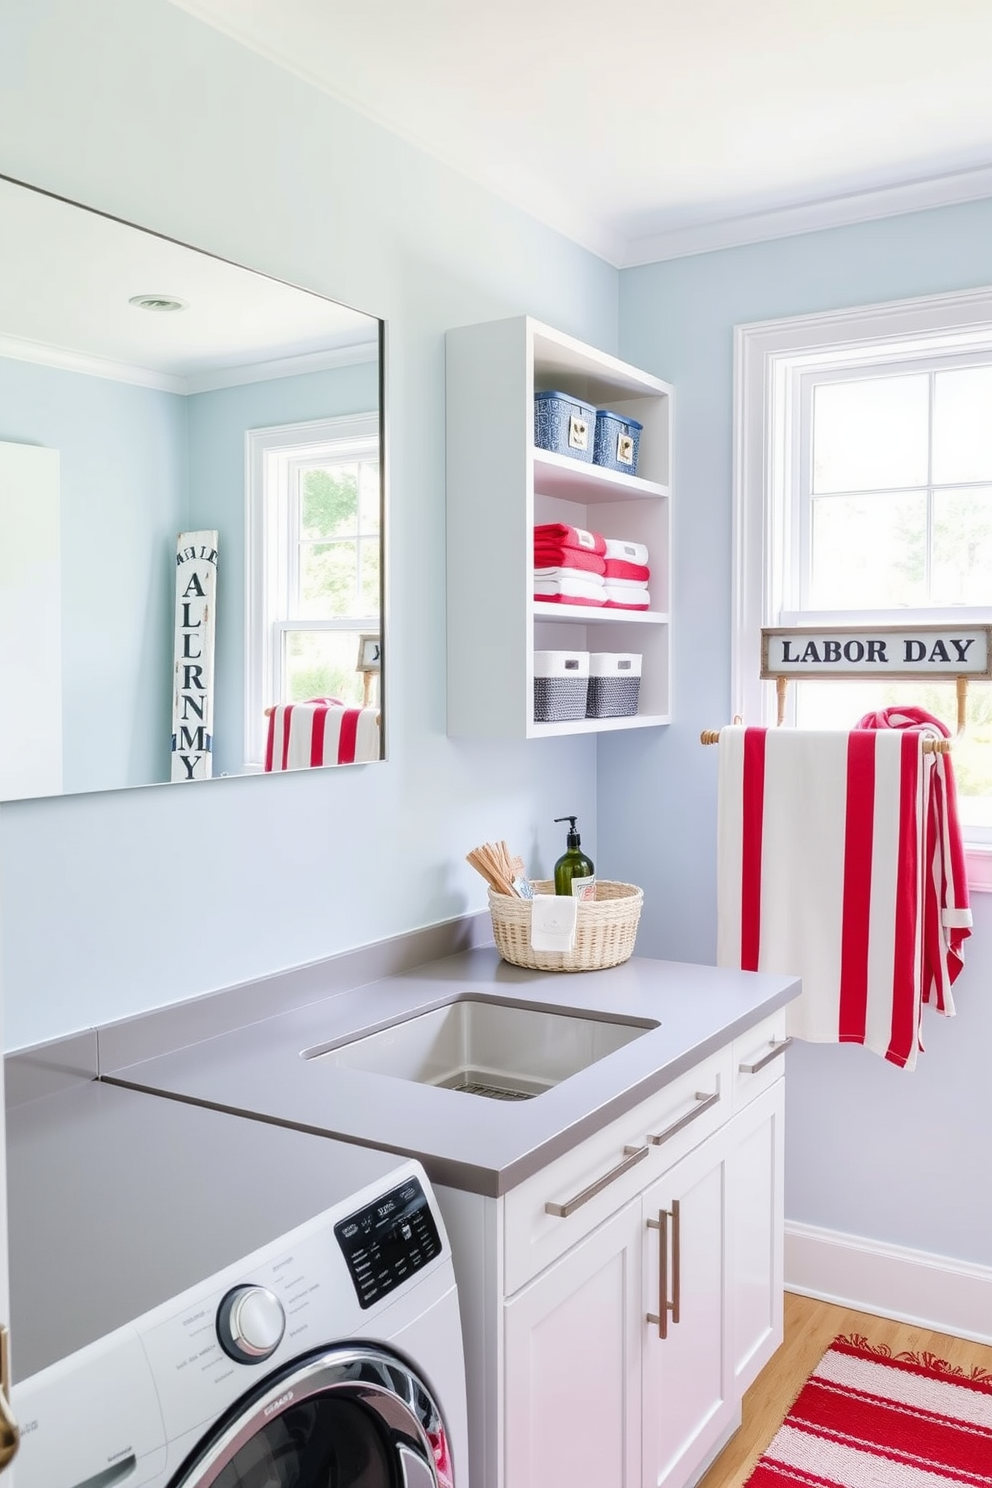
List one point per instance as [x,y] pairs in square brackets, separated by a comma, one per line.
[868,1419]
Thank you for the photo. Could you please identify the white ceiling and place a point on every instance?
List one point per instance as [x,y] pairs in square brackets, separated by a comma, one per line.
[67,276]
[649,128]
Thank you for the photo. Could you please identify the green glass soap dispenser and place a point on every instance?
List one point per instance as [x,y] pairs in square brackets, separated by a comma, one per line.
[575,875]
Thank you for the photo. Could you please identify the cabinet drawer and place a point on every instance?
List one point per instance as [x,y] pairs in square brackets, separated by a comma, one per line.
[555,1208]
[759,1058]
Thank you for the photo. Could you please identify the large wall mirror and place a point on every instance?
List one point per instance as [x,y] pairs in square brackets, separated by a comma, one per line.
[149,390]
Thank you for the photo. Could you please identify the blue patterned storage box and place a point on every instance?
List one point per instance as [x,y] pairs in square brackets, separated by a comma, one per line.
[564,424]
[617,441]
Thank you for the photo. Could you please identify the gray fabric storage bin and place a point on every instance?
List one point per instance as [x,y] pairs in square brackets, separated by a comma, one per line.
[614,684]
[561,684]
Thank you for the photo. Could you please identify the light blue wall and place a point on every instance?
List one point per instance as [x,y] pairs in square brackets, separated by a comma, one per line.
[123,481]
[871,1150]
[218,421]
[121,901]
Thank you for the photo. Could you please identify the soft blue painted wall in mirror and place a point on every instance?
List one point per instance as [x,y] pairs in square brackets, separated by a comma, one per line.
[123,463]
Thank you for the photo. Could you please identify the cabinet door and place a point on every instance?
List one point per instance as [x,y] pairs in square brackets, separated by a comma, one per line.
[687,1401]
[572,1366]
[755,1187]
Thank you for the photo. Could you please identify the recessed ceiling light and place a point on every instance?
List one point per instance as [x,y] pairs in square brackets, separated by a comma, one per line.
[157,302]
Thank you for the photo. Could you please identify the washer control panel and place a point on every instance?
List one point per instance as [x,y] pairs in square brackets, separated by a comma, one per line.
[385,1243]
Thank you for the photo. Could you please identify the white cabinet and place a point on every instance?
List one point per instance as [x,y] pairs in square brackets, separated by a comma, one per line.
[672,1226]
[573,1340]
[688,1406]
[499,486]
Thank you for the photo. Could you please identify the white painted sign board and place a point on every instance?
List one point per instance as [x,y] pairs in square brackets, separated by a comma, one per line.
[30,622]
[930,651]
[193,667]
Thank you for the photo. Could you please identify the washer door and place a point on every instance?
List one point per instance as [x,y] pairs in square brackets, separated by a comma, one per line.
[347,1417]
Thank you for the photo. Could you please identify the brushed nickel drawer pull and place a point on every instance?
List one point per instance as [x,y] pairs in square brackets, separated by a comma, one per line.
[778,1047]
[705,1101]
[632,1156]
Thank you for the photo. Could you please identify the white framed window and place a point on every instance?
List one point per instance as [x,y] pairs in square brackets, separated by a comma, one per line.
[863,495]
[314,585]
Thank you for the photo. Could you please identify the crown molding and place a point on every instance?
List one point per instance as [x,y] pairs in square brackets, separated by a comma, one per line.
[952,189]
[65,360]
[294,366]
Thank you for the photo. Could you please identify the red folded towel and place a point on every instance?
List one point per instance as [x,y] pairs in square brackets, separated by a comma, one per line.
[548,555]
[572,537]
[619,568]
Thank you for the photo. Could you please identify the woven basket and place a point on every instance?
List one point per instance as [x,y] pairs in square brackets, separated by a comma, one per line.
[604,936]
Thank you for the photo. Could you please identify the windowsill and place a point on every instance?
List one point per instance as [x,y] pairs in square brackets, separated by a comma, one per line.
[978,866]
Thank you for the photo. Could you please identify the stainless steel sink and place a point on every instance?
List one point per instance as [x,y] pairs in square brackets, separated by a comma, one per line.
[500,1049]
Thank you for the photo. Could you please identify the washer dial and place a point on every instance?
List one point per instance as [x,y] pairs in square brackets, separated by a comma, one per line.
[250,1324]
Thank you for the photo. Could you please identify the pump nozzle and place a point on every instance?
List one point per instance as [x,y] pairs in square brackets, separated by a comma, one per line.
[573,839]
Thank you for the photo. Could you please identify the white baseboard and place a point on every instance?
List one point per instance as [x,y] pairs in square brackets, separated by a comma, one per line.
[891,1281]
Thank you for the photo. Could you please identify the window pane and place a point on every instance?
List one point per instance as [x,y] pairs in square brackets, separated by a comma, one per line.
[962,547]
[369,497]
[830,704]
[962,425]
[868,552]
[322,664]
[370,579]
[328,580]
[870,435]
[329,501]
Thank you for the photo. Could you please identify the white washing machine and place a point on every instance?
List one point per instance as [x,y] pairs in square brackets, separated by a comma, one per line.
[201,1301]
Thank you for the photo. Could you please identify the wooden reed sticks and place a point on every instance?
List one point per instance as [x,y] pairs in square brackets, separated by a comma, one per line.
[494,861]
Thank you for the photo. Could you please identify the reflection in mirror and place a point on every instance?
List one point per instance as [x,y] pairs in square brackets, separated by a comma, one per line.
[148,389]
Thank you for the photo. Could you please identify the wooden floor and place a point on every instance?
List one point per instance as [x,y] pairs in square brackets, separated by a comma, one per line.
[810,1328]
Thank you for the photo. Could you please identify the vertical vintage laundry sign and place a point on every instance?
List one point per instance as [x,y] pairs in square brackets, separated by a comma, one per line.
[193,668]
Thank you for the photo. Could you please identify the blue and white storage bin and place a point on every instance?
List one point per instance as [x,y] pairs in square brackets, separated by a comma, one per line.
[617,441]
[564,424]
[561,682]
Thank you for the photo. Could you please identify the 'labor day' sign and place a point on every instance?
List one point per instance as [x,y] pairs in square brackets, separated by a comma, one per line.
[193,666]
[919,651]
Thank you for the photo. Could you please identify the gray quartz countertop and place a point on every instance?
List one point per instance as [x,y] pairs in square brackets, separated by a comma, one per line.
[467,1142]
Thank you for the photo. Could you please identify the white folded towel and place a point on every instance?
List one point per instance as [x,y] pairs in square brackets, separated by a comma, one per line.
[585,590]
[630,552]
[632,596]
[567,575]
[553,919]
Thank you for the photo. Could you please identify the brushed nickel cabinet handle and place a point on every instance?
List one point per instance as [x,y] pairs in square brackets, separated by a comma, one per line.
[10,1435]
[778,1047]
[668,1304]
[705,1101]
[664,1305]
[676,1259]
[633,1155]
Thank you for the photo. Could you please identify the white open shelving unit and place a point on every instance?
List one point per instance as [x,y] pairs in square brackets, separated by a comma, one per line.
[499,486]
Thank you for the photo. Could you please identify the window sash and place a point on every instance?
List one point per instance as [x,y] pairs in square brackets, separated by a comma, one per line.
[776,365]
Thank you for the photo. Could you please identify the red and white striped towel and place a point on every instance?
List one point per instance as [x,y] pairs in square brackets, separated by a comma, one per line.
[822,838]
[321,731]
[947,915]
